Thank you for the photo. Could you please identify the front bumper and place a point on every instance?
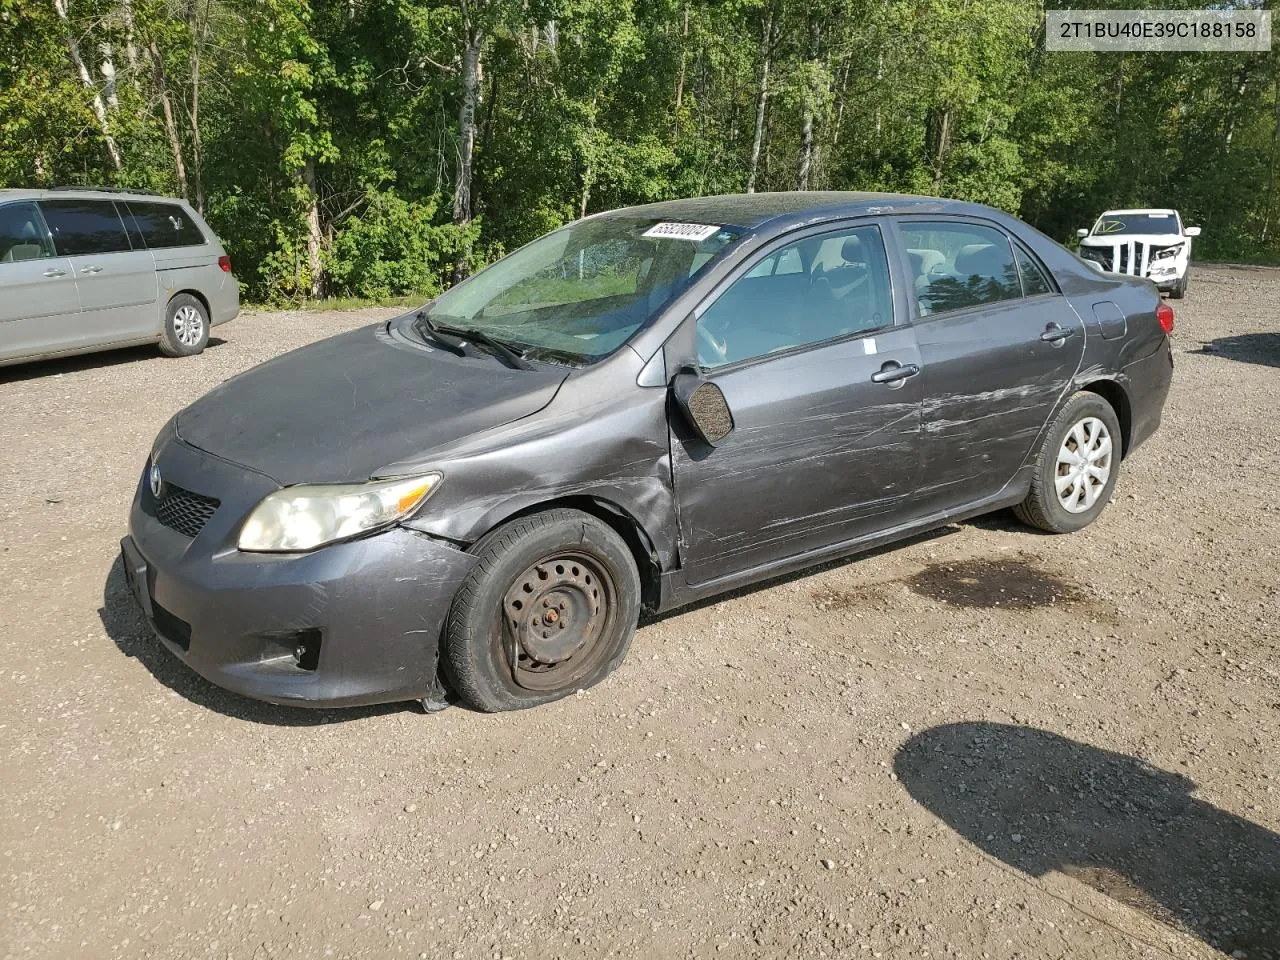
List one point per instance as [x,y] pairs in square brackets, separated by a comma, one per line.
[368,613]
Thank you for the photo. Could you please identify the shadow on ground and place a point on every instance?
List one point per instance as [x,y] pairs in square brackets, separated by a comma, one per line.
[36,369]
[1261,348]
[125,625]
[1041,802]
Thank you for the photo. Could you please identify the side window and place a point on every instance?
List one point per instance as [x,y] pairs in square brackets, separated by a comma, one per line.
[22,235]
[958,265]
[1034,282]
[164,224]
[820,288]
[82,227]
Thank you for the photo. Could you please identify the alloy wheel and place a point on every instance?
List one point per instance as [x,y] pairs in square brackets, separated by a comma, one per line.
[188,325]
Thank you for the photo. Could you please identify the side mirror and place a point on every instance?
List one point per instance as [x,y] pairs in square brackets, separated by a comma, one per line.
[1082,232]
[703,405]
[1192,231]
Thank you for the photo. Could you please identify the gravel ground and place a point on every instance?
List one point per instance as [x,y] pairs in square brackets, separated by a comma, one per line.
[984,743]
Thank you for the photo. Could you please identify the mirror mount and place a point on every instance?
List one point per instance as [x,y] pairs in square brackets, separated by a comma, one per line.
[703,405]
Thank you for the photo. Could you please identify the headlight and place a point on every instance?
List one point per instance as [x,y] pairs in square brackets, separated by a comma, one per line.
[305,517]
[1168,252]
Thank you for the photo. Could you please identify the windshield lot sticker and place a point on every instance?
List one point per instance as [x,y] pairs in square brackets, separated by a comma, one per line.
[696,232]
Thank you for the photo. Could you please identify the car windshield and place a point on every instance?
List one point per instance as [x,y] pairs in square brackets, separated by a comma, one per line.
[579,293]
[1111,224]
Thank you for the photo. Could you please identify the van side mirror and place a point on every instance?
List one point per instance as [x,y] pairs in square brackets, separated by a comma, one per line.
[1082,232]
[703,405]
[1192,231]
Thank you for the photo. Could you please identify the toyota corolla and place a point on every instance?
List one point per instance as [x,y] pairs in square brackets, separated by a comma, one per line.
[641,409]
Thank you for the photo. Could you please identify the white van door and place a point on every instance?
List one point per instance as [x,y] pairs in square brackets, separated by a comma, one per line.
[118,287]
[39,306]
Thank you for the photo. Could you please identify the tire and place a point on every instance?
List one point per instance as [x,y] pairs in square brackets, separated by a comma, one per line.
[1085,494]
[550,608]
[186,327]
[1179,289]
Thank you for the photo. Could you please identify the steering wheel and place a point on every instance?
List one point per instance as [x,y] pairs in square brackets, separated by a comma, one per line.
[715,350]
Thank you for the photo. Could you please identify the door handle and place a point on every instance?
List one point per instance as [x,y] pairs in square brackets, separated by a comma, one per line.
[90,269]
[1056,334]
[54,272]
[894,373]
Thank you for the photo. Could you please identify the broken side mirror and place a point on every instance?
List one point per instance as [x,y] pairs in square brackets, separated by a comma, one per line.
[1192,231]
[703,405]
[1082,232]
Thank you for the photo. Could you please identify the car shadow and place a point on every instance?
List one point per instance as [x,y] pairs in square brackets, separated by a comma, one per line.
[37,369]
[128,629]
[1260,348]
[1041,802]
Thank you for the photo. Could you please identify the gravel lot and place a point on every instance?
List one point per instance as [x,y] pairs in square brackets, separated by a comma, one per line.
[984,743]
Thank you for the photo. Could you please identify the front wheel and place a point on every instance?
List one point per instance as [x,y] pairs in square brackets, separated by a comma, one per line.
[549,609]
[1077,467]
[1179,289]
[186,327]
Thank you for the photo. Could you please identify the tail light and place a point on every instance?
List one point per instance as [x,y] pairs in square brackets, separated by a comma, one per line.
[1164,315]
[225,263]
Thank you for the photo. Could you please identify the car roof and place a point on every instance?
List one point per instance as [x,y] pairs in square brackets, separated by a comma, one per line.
[80,193]
[754,210]
[1160,210]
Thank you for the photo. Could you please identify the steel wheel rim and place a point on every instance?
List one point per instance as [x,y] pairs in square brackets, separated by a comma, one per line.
[1084,465]
[556,616]
[188,325]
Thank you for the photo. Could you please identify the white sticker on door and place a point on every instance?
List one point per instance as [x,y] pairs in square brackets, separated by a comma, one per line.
[869,345]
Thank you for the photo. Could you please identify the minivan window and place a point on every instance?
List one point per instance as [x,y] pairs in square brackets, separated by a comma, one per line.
[957,265]
[841,288]
[163,224]
[82,227]
[22,235]
[578,294]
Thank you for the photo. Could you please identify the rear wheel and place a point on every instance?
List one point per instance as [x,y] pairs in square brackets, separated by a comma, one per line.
[186,327]
[1077,467]
[549,609]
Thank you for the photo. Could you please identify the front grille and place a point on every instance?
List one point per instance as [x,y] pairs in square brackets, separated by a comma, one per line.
[184,511]
[1124,266]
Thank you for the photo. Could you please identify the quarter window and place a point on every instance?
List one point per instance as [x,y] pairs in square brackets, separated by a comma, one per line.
[958,265]
[820,288]
[22,235]
[81,227]
[163,224]
[1034,282]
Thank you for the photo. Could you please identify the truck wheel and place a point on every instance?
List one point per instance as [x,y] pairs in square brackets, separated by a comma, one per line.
[549,609]
[1179,289]
[1076,469]
[186,327]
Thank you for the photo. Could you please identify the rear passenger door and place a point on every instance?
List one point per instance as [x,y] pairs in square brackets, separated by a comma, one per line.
[39,307]
[822,381]
[999,346]
[116,277]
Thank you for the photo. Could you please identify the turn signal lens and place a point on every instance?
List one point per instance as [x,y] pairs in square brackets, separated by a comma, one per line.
[1164,315]
[224,262]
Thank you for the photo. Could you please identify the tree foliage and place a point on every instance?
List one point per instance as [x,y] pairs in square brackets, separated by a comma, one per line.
[327,140]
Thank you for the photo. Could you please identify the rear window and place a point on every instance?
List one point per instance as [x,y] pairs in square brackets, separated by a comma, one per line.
[163,224]
[82,227]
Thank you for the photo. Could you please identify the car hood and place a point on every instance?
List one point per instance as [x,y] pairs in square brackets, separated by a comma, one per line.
[340,409]
[1157,239]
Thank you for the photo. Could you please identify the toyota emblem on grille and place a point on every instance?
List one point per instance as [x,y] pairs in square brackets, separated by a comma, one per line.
[156,481]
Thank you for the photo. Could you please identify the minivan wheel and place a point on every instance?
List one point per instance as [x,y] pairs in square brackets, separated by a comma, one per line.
[549,609]
[186,327]
[1077,467]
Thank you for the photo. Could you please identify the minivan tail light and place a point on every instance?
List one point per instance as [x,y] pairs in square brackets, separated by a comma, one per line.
[225,263]
[1164,314]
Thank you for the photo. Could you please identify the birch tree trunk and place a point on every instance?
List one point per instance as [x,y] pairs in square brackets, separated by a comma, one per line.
[315,238]
[130,44]
[469,94]
[108,70]
[762,100]
[810,95]
[77,61]
[199,23]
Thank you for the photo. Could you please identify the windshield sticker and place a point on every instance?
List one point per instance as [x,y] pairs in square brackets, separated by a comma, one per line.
[696,232]
[1110,226]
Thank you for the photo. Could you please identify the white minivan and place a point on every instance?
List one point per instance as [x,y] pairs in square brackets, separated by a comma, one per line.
[92,269]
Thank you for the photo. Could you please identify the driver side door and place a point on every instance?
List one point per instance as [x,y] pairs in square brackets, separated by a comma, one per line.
[809,346]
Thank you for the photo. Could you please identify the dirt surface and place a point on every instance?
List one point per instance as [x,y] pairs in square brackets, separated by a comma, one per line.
[984,743]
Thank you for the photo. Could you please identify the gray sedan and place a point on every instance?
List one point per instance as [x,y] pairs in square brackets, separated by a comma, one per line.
[639,410]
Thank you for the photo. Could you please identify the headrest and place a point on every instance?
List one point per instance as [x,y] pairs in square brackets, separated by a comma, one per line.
[853,251]
[979,258]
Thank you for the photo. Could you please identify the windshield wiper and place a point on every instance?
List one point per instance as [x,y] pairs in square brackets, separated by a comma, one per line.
[426,327]
[505,353]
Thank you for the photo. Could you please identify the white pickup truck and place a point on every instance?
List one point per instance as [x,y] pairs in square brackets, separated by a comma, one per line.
[1142,243]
